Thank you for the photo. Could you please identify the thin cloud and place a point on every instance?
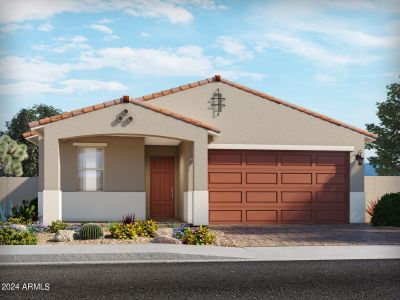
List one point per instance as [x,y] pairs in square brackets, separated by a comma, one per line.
[46,27]
[63,87]
[65,44]
[234,47]
[174,11]
[102,28]
[14,27]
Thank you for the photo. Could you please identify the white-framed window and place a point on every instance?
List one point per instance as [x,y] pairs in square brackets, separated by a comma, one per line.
[90,169]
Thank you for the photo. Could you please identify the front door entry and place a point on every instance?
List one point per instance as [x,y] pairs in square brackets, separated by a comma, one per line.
[162,184]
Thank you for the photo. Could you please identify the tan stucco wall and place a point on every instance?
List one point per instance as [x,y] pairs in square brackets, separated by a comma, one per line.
[15,189]
[102,122]
[377,186]
[123,163]
[249,119]
[162,151]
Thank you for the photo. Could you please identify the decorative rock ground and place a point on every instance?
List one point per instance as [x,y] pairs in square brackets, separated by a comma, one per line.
[163,232]
[163,239]
[64,236]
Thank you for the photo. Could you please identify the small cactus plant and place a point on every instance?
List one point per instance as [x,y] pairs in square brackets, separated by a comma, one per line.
[90,231]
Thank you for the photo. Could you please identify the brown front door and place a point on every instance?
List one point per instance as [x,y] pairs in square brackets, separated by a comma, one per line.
[260,187]
[162,186]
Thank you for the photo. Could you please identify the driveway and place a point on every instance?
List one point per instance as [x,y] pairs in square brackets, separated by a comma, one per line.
[305,235]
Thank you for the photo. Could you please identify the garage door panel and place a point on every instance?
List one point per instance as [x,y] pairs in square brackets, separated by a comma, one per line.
[297,197]
[262,159]
[296,215]
[296,159]
[331,196]
[225,177]
[331,160]
[329,215]
[261,178]
[266,187]
[225,158]
[261,197]
[331,178]
[225,216]
[296,178]
[261,215]
[225,197]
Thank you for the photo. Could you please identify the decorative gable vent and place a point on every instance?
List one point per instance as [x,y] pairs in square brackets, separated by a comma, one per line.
[217,103]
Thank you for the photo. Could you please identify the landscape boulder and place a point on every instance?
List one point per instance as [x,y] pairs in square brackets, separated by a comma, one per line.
[163,239]
[64,236]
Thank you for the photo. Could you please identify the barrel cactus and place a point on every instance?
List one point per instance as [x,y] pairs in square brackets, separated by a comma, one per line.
[90,231]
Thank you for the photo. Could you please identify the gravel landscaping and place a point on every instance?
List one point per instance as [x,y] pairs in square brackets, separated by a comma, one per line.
[47,239]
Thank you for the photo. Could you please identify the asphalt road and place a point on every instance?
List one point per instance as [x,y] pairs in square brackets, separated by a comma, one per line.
[367,279]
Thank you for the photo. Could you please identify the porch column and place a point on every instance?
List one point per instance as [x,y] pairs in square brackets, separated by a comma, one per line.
[49,199]
[200,182]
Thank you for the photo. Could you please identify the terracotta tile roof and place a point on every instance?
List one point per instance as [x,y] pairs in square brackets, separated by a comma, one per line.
[216,78]
[29,134]
[260,94]
[124,99]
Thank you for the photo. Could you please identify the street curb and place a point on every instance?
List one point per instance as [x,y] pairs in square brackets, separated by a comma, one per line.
[163,253]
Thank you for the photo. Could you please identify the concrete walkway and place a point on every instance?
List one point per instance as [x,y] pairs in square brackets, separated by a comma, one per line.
[52,254]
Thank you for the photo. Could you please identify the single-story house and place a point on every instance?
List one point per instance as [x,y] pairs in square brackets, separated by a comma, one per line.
[208,152]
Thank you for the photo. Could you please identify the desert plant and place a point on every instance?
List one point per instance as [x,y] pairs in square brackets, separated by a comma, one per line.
[27,211]
[12,155]
[90,231]
[57,225]
[12,236]
[121,231]
[387,211]
[128,219]
[371,207]
[195,235]
[146,228]
[17,221]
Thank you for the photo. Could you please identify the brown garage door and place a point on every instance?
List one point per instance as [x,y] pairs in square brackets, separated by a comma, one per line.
[258,187]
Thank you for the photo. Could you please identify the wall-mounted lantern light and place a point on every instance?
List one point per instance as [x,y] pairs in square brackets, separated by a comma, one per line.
[359,158]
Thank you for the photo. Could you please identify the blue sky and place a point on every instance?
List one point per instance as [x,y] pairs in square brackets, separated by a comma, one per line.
[334,57]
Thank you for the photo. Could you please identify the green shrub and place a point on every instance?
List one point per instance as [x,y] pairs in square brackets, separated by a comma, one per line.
[13,220]
[90,231]
[57,225]
[387,211]
[12,236]
[146,228]
[121,231]
[195,235]
[27,211]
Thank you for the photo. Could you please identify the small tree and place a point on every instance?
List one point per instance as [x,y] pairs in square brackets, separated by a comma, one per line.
[20,124]
[11,156]
[387,145]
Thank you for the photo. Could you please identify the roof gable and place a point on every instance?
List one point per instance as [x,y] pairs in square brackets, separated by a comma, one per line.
[218,78]
[124,99]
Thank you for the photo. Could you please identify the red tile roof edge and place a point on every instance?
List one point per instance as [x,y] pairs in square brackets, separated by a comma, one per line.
[124,99]
[218,78]
[29,134]
[175,115]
